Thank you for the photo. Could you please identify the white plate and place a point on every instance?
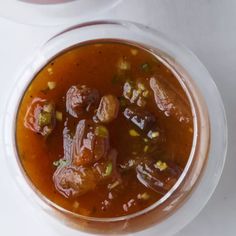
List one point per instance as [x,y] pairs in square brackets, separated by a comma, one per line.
[44,12]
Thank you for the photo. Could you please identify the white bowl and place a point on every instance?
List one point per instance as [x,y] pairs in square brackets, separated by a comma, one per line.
[53,12]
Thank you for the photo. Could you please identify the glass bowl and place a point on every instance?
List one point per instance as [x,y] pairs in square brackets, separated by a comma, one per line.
[53,12]
[202,172]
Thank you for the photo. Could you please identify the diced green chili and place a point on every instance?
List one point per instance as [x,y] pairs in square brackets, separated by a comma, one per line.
[108,170]
[143,196]
[145,93]
[101,131]
[61,162]
[133,133]
[161,165]
[145,67]
[59,115]
[146,147]
[44,118]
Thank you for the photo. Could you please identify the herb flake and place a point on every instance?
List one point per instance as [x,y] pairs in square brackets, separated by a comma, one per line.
[60,163]
[108,170]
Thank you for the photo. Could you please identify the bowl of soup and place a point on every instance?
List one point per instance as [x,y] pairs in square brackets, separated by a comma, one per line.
[113,130]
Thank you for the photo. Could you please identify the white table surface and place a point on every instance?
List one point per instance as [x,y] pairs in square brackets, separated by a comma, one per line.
[208,28]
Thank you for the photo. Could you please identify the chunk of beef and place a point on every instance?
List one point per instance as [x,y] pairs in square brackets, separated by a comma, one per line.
[80,98]
[90,144]
[73,181]
[40,117]
[168,100]
[144,120]
[108,109]
[157,175]
[136,93]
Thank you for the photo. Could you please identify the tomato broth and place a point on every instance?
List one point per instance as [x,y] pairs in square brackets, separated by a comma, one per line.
[104,129]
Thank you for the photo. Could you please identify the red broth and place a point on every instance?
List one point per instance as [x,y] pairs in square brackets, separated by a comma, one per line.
[104,129]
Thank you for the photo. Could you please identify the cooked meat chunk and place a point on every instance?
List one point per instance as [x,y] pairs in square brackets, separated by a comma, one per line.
[136,93]
[74,181]
[108,109]
[40,117]
[157,175]
[168,100]
[80,98]
[144,120]
[71,180]
[90,144]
